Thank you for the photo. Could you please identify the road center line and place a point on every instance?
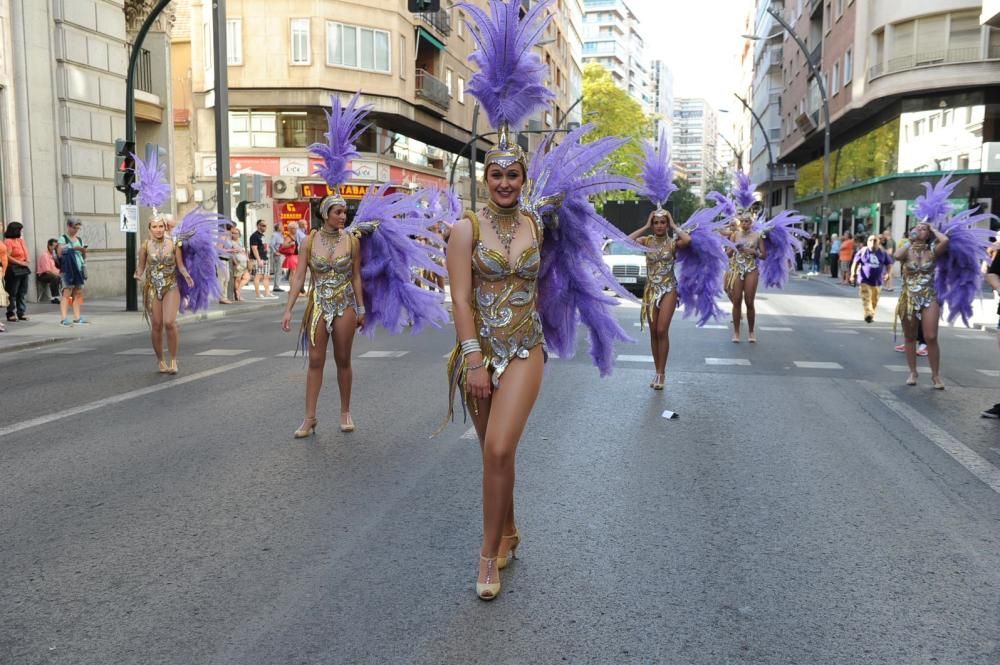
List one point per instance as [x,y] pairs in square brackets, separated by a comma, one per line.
[123,397]
[961,453]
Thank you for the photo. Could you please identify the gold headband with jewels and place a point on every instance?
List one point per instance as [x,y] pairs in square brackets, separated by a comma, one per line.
[507,151]
[335,199]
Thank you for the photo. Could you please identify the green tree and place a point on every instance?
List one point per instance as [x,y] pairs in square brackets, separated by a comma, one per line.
[721,181]
[614,113]
[683,201]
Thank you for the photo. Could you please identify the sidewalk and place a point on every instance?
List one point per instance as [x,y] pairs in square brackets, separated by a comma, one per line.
[107,318]
[984,316]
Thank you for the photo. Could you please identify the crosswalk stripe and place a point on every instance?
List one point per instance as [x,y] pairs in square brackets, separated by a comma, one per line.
[286,354]
[810,364]
[845,331]
[775,329]
[921,369]
[989,372]
[223,352]
[742,362]
[144,351]
[383,354]
[66,350]
[635,359]
[470,435]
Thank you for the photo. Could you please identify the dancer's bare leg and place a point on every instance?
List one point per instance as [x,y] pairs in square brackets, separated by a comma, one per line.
[929,322]
[156,328]
[749,296]
[910,345]
[736,298]
[664,314]
[169,305]
[314,376]
[344,327]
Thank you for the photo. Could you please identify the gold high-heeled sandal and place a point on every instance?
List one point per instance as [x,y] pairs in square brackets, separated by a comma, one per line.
[308,428]
[349,425]
[937,383]
[736,333]
[504,561]
[659,384]
[489,589]
[173,366]
[162,367]
[752,337]
[911,380]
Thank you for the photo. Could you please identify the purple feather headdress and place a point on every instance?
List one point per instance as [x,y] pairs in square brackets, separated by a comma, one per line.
[151,182]
[343,129]
[743,191]
[725,207]
[933,205]
[702,264]
[657,173]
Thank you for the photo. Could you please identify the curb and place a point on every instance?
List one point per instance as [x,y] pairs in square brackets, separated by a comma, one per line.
[37,343]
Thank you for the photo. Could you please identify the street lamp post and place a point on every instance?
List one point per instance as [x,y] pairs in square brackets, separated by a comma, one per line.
[814,68]
[770,152]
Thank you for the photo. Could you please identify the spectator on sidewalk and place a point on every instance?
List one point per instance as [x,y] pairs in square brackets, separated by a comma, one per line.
[260,267]
[817,254]
[868,270]
[15,277]
[845,256]
[222,270]
[47,270]
[241,269]
[274,251]
[993,279]
[833,255]
[73,264]
[889,246]
[4,300]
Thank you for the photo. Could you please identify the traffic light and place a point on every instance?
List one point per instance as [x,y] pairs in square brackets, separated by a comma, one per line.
[424,5]
[125,162]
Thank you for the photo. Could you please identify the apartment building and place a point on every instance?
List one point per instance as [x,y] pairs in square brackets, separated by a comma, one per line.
[613,39]
[661,84]
[284,62]
[912,91]
[694,147]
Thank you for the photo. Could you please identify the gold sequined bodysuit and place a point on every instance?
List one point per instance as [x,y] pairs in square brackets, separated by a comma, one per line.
[660,276]
[743,261]
[918,290]
[161,275]
[504,305]
[332,291]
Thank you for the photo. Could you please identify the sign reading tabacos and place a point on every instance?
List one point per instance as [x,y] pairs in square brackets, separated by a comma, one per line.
[320,190]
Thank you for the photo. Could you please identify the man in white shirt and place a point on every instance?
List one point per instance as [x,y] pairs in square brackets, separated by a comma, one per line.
[277,258]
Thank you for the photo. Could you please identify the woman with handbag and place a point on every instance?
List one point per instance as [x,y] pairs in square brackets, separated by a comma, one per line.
[18,270]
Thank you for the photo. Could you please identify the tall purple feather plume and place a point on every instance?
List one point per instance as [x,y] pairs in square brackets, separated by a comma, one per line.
[743,191]
[343,129]
[389,226]
[198,234]
[782,240]
[510,83]
[573,273]
[958,279]
[933,204]
[725,206]
[151,182]
[657,172]
[702,265]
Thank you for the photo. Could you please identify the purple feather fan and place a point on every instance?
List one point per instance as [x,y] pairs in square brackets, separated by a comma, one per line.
[725,206]
[934,205]
[151,182]
[743,192]
[390,228]
[782,240]
[343,129]
[657,173]
[198,235]
[573,273]
[702,265]
[958,279]
[510,83]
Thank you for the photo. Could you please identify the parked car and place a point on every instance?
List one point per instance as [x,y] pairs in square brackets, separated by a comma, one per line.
[627,264]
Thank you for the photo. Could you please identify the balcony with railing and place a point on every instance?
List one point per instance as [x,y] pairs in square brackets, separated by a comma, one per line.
[774,57]
[783,172]
[440,21]
[817,55]
[433,90]
[932,58]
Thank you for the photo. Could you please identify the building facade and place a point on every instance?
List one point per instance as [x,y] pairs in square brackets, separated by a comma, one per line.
[613,39]
[913,90]
[661,83]
[695,142]
[284,63]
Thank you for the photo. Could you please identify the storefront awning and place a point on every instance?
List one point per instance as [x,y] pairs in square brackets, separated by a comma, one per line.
[434,41]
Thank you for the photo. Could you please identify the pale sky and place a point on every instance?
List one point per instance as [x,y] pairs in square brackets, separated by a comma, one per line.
[699,41]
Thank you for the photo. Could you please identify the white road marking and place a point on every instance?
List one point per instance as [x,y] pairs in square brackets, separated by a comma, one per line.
[961,453]
[845,331]
[714,326]
[447,355]
[921,369]
[144,351]
[123,397]
[383,354]
[743,362]
[989,372]
[988,338]
[775,329]
[286,354]
[810,364]
[223,352]
[470,435]
[66,350]
[635,359]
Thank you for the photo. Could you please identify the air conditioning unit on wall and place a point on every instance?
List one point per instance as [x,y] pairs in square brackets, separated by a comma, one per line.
[285,188]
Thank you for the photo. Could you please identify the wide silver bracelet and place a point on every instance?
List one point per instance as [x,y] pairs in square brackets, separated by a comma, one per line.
[470,346]
[360,309]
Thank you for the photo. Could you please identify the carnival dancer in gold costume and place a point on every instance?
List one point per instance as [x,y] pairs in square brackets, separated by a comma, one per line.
[160,262]
[512,263]
[367,263]
[748,248]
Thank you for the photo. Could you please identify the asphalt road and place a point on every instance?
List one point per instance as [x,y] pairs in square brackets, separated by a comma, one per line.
[794,513]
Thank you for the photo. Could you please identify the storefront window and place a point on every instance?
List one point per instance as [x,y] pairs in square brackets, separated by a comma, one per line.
[873,155]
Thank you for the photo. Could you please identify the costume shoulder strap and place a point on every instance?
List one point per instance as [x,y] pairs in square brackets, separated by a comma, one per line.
[355,243]
[474,219]
[309,244]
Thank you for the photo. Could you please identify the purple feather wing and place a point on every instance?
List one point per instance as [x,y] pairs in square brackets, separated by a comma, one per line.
[573,273]
[395,241]
[343,129]
[958,278]
[151,182]
[782,240]
[743,192]
[724,204]
[198,234]
[702,266]
[510,83]
[657,173]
